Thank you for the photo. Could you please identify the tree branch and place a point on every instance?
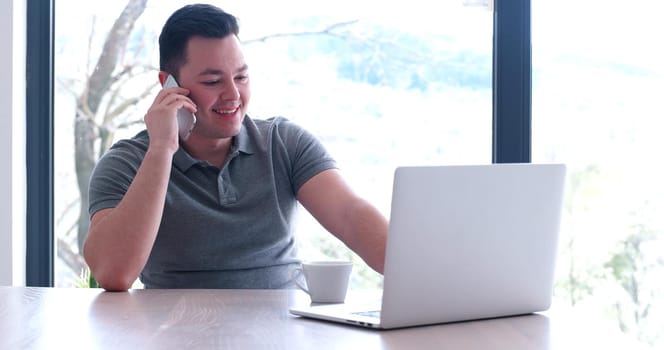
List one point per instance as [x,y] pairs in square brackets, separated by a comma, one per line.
[327,30]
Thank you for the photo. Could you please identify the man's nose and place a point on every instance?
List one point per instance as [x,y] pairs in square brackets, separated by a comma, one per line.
[231,93]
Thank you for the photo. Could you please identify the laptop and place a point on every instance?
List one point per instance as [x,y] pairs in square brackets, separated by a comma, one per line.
[465,242]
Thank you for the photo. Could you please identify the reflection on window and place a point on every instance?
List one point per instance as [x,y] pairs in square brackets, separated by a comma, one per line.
[404,85]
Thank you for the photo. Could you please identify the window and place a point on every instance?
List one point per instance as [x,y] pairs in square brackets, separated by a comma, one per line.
[596,74]
[597,83]
[403,85]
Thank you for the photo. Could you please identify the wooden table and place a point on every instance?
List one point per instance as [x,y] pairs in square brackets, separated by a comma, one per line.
[58,318]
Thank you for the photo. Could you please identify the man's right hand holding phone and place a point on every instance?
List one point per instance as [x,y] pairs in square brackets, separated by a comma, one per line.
[161,119]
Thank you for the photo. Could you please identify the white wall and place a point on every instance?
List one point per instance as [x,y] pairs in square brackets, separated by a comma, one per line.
[12,142]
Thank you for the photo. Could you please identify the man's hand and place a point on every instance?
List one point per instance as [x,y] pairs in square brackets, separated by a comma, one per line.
[161,118]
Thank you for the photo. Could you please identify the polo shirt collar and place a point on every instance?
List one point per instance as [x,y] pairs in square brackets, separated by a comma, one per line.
[241,143]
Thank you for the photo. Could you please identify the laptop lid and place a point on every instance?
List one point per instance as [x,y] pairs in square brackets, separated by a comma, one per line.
[468,242]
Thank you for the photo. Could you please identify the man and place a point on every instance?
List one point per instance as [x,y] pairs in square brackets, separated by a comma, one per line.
[214,210]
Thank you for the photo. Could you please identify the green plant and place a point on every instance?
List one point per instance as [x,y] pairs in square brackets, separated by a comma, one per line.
[86,280]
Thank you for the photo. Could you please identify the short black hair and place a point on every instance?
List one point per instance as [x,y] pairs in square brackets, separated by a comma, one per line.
[203,20]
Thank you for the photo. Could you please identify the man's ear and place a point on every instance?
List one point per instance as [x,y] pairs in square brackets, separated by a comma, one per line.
[162,77]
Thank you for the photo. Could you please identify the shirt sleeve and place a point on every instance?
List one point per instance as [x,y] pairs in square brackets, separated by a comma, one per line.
[308,156]
[112,176]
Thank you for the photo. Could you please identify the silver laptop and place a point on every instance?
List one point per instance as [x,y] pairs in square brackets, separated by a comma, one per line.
[464,243]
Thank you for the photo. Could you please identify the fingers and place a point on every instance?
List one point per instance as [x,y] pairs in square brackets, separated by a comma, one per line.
[175,97]
[178,101]
[167,93]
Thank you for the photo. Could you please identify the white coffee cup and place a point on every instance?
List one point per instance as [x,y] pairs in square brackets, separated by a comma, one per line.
[326,281]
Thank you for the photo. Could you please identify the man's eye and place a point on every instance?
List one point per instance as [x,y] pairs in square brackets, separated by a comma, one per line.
[242,77]
[211,82]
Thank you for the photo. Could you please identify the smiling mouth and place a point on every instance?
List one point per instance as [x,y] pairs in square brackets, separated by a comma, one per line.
[226,111]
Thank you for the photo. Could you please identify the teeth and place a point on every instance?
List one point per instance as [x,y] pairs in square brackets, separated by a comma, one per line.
[228,111]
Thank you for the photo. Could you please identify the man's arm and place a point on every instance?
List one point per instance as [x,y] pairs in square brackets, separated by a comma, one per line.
[349,217]
[120,239]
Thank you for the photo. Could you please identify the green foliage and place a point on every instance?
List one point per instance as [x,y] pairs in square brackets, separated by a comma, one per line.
[86,280]
[578,281]
[630,268]
[628,262]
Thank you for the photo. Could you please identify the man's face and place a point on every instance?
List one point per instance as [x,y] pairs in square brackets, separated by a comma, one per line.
[217,76]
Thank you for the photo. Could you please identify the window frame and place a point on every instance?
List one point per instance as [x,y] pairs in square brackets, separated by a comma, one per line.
[512,82]
[511,125]
[39,144]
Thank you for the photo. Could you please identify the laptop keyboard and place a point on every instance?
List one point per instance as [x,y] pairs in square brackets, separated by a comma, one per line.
[375,314]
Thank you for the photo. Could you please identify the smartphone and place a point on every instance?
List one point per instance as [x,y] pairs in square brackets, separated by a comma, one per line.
[186,119]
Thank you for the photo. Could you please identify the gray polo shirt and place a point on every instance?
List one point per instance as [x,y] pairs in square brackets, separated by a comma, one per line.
[228,228]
